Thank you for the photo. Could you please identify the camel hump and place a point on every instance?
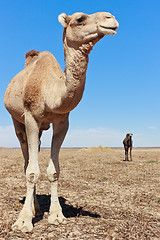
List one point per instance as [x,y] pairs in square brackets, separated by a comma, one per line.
[32,53]
[31,56]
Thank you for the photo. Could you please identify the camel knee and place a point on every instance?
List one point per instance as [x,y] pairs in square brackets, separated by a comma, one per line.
[53,176]
[32,175]
[52,172]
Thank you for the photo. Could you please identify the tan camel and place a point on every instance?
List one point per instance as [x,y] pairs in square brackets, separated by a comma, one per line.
[42,94]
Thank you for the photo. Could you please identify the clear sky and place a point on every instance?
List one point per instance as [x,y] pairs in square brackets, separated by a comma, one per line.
[122,92]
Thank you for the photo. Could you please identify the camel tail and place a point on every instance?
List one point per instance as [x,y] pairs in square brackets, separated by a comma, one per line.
[31,56]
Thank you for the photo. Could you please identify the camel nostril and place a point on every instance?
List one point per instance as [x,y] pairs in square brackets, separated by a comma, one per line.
[108,15]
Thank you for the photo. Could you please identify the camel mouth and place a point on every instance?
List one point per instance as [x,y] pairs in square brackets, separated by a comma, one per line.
[107,30]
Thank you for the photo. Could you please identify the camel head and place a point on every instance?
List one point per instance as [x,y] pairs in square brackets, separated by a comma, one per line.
[81,28]
[129,135]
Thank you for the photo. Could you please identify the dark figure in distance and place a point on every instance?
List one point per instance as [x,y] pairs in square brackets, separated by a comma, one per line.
[127,142]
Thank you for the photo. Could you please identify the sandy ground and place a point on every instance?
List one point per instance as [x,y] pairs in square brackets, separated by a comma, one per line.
[102,196]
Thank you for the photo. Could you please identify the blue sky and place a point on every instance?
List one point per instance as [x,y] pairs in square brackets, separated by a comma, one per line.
[123,76]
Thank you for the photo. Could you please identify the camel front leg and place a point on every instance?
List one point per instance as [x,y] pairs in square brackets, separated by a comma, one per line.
[53,171]
[22,137]
[126,153]
[24,221]
[131,154]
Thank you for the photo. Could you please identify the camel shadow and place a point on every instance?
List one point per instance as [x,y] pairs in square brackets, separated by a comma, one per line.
[68,210]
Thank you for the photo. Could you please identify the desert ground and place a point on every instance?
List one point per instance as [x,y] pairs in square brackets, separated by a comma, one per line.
[102,196]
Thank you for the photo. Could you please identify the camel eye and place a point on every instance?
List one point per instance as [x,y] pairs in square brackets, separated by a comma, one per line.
[81,19]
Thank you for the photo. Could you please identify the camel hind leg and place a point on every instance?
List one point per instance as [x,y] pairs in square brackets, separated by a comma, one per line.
[21,135]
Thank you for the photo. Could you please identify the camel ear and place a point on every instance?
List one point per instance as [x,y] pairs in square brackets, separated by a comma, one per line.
[63,19]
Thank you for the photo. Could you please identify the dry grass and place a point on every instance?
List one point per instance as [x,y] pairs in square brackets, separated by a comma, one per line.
[96,149]
[102,196]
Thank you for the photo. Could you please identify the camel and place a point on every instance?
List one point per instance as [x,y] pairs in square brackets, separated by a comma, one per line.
[127,142]
[42,94]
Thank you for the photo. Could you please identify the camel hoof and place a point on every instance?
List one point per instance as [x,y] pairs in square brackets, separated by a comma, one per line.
[56,218]
[24,222]
[22,226]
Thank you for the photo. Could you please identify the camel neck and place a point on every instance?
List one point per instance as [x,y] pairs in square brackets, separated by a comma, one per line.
[75,74]
[75,68]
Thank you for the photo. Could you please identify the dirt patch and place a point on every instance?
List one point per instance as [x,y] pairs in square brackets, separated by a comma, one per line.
[102,196]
